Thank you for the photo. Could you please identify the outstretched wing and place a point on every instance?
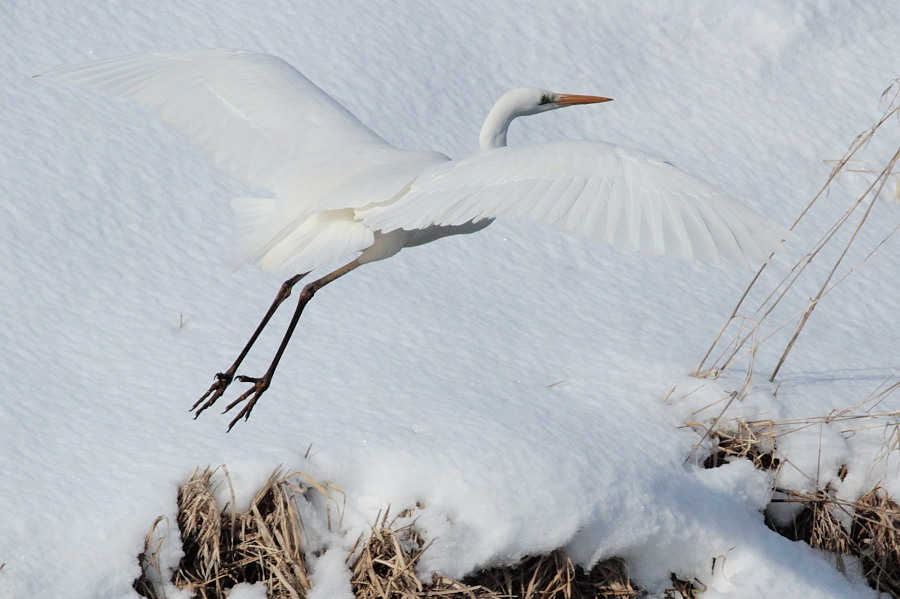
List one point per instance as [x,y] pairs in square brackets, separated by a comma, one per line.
[257,117]
[251,114]
[595,190]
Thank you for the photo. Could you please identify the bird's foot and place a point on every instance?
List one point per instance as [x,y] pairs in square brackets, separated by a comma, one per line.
[250,396]
[215,391]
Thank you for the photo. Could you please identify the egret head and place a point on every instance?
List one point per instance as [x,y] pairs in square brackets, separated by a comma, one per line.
[532,100]
[525,101]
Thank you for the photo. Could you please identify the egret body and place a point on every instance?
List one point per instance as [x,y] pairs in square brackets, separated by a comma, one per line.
[340,193]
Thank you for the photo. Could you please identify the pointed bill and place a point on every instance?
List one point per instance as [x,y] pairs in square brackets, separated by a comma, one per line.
[572,99]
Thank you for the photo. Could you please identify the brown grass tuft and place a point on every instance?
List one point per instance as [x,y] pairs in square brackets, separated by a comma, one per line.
[384,568]
[752,440]
[151,577]
[265,543]
[873,536]
[385,563]
[223,548]
[876,537]
[818,523]
[556,576]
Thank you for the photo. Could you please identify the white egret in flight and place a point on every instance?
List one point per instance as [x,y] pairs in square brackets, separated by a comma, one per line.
[342,194]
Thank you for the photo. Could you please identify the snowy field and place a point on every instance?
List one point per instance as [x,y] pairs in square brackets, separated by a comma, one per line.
[512,383]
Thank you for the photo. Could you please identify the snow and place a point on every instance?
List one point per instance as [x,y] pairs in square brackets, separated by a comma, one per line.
[248,591]
[512,382]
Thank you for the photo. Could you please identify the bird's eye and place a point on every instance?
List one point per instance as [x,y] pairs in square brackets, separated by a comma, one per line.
[545,99]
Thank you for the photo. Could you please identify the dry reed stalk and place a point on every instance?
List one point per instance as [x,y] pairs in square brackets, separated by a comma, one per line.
[222,548]
[682,589]
[384,566]
[876,537]
[819,522]
[556,576]
[264,543]
[149,583]
[752,440]
[873,536]
[734,349]
[200,523]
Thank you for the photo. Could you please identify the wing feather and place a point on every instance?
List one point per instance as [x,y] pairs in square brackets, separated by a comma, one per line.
[674,234]
[257,117]
[570,221]
[249,113]
[554,206]
[266,123]
[595,190]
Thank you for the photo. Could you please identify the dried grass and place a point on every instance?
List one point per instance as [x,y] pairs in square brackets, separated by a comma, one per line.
[384,568]
[752,440]
[873,536]
[265,543]
[385,563]
[223,548]
[149,582]
[867,528]
[747,337]
[556,576]
[876,536]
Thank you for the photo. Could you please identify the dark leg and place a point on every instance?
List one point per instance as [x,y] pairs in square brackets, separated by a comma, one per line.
[224,379]
[260,384]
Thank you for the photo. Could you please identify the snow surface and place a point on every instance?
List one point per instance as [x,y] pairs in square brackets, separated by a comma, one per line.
[511,382]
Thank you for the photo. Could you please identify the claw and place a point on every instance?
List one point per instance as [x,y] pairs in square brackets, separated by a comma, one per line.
[251,396]
[259,385]
[218,388]
[215,391]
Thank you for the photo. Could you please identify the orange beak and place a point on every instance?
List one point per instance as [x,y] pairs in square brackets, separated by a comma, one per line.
[572,99]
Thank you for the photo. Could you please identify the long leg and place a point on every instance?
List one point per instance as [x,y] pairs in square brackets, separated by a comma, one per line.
[224,379]
[260,384]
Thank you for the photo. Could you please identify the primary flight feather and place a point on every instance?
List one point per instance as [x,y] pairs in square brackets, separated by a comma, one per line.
[339,192]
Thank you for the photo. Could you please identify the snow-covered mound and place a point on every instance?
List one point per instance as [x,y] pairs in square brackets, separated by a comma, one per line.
[512,382]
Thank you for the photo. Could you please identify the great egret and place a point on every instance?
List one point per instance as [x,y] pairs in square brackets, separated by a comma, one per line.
[341,193]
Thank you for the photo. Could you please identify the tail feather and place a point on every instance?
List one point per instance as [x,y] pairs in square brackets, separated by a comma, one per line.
[265,237]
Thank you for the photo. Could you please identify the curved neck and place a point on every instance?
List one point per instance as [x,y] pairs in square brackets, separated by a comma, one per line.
[518,102]
[512,104]
[493,132]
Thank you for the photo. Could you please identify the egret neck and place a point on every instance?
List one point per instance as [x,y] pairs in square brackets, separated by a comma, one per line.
[524,101]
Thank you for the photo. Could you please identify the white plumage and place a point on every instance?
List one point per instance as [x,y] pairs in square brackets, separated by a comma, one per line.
[339,192]
[335,181]
[595,190]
